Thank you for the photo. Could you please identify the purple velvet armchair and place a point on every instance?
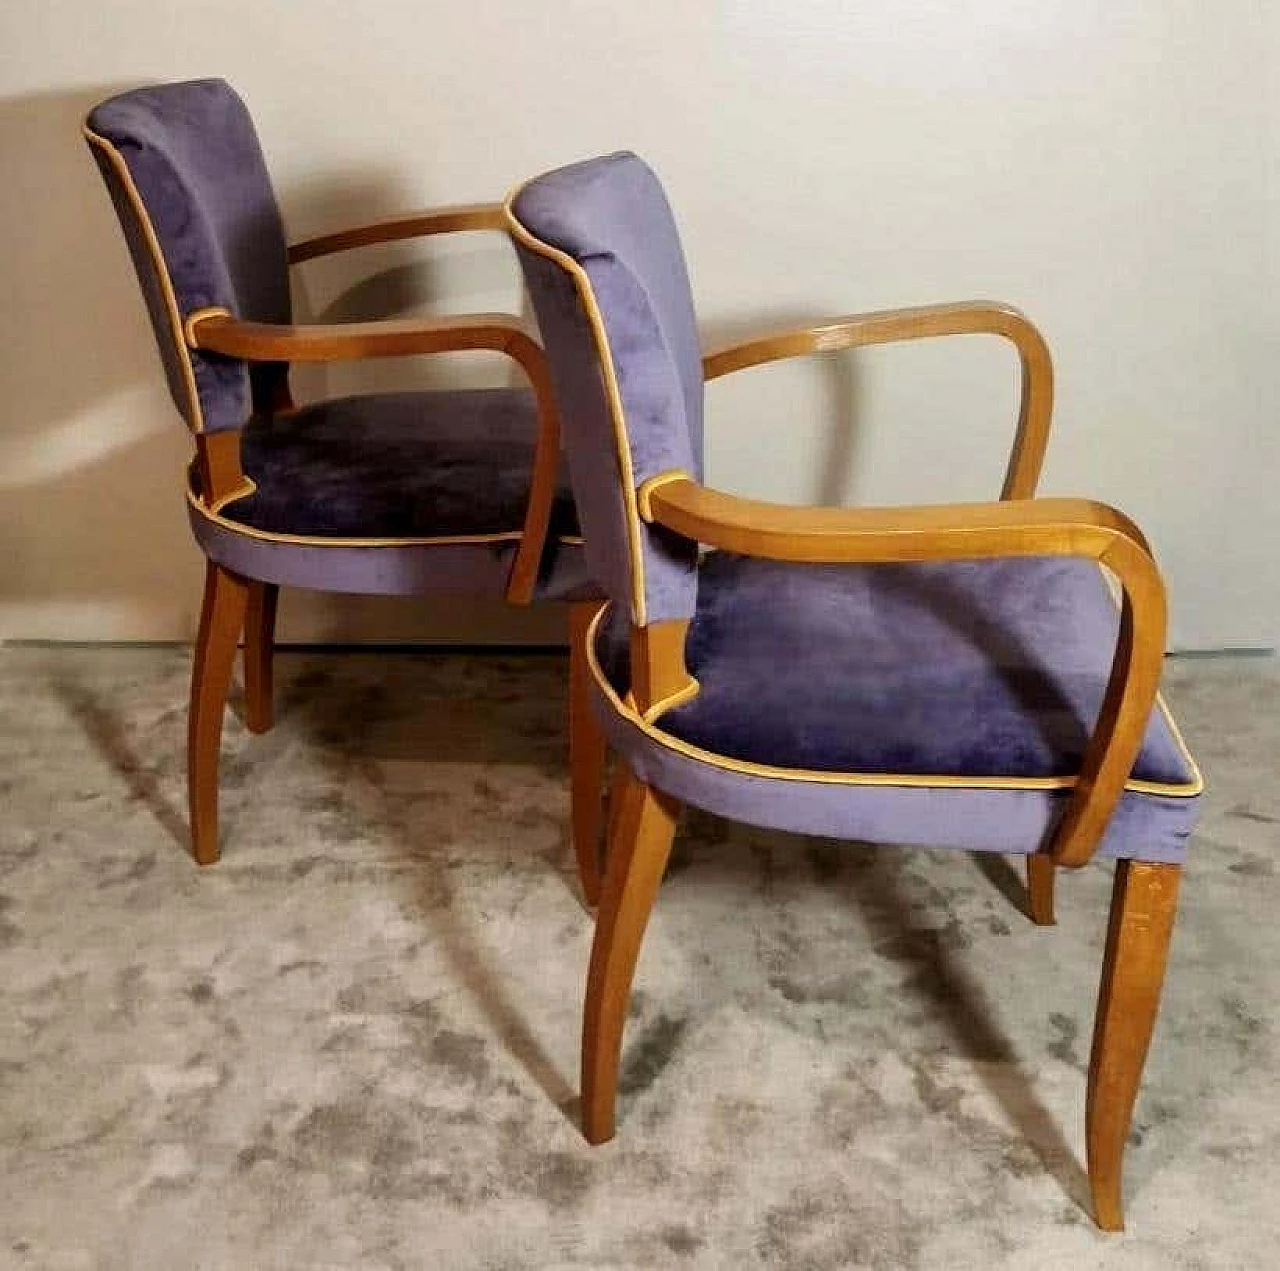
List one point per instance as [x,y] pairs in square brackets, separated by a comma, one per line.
[951,677]
[409,493]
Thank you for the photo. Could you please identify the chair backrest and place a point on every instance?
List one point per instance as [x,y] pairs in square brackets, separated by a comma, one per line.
[602,259]
[185,172]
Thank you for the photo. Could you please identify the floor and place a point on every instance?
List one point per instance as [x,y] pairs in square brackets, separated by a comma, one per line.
[353,1042]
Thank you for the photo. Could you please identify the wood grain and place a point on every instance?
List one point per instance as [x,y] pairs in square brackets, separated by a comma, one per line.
[637,857]
[442,220]
[1144,901]
[586,754]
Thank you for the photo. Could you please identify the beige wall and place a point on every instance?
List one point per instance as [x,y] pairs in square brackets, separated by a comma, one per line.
[1110,168]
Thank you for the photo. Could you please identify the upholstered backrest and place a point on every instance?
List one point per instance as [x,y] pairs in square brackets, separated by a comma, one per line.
[186,175]
[602,259]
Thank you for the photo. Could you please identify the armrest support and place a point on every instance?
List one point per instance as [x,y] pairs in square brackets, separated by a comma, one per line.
[926,322]
[1039,527]
[443,220]
[216,331]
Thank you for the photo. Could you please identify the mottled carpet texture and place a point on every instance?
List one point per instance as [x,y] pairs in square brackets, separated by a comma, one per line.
[353,1043]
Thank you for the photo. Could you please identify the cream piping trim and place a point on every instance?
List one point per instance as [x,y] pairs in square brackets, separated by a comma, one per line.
[628,712]
[682,695]
[315,540]
[622,443]
[246,487]
[197,316]
[116,159]
[656,482]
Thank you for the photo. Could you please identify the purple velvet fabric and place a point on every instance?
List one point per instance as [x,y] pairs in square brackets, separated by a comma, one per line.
[1145,827]
[397,465]
[958,668]
[461,569]
[194,156]
[612,217]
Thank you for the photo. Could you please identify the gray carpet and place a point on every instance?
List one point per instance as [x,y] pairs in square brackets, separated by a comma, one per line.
[353,1043]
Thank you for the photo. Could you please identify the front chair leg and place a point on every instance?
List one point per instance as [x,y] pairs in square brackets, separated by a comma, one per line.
[586,754]
[259,642]
[1143,902]
[637,857]
[226,598]
[1040,875]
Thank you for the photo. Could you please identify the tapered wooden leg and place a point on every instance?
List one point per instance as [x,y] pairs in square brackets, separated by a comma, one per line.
[637,857]
[1143,903]
[1041,872]
[586,754]
[222,616]
[259,642]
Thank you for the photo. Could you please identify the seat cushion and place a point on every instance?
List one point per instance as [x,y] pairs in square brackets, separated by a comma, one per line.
[934,705]
[396,465]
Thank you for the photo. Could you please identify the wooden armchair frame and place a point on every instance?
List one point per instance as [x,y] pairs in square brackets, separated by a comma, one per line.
[1144,896]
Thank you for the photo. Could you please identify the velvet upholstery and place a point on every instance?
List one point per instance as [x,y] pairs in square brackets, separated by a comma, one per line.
[396,465]
[942,704]
[982,669]
[612,217]
[194,158]
[958,669]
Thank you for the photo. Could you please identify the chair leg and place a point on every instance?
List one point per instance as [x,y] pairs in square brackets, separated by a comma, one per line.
[636,860]
[259,648]
[1143,902]
[586,755]
[1041,872]
[222,616]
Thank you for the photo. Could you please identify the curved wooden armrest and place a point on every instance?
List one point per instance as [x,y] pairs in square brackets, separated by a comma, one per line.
[1031,527]
[976,317]
[216,331]
[441,220]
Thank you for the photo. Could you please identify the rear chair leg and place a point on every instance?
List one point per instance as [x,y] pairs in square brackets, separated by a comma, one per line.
[1143,902]
[1041,871]
[586,754]
[259,642]
[222,616]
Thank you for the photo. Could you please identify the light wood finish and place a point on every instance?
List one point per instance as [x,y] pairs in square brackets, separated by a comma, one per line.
[214,331]
[522,582]
[636,860]
[259,642]
[1143,903]
[586,754]
[1041,872]
[441,220]
[1027,527]
[925,322]
[226,598]
[658,673]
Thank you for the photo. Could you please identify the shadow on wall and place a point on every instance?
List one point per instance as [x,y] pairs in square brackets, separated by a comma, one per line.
[92,451]
[832,479]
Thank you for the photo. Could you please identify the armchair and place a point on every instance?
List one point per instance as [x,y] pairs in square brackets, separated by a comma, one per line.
[951,677]
[422,493]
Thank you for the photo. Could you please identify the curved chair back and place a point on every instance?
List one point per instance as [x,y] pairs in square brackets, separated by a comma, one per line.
[185,172]
[602,259]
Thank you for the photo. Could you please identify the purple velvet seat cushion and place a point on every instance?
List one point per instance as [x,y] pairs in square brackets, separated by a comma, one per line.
[970,669]
[396,465]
